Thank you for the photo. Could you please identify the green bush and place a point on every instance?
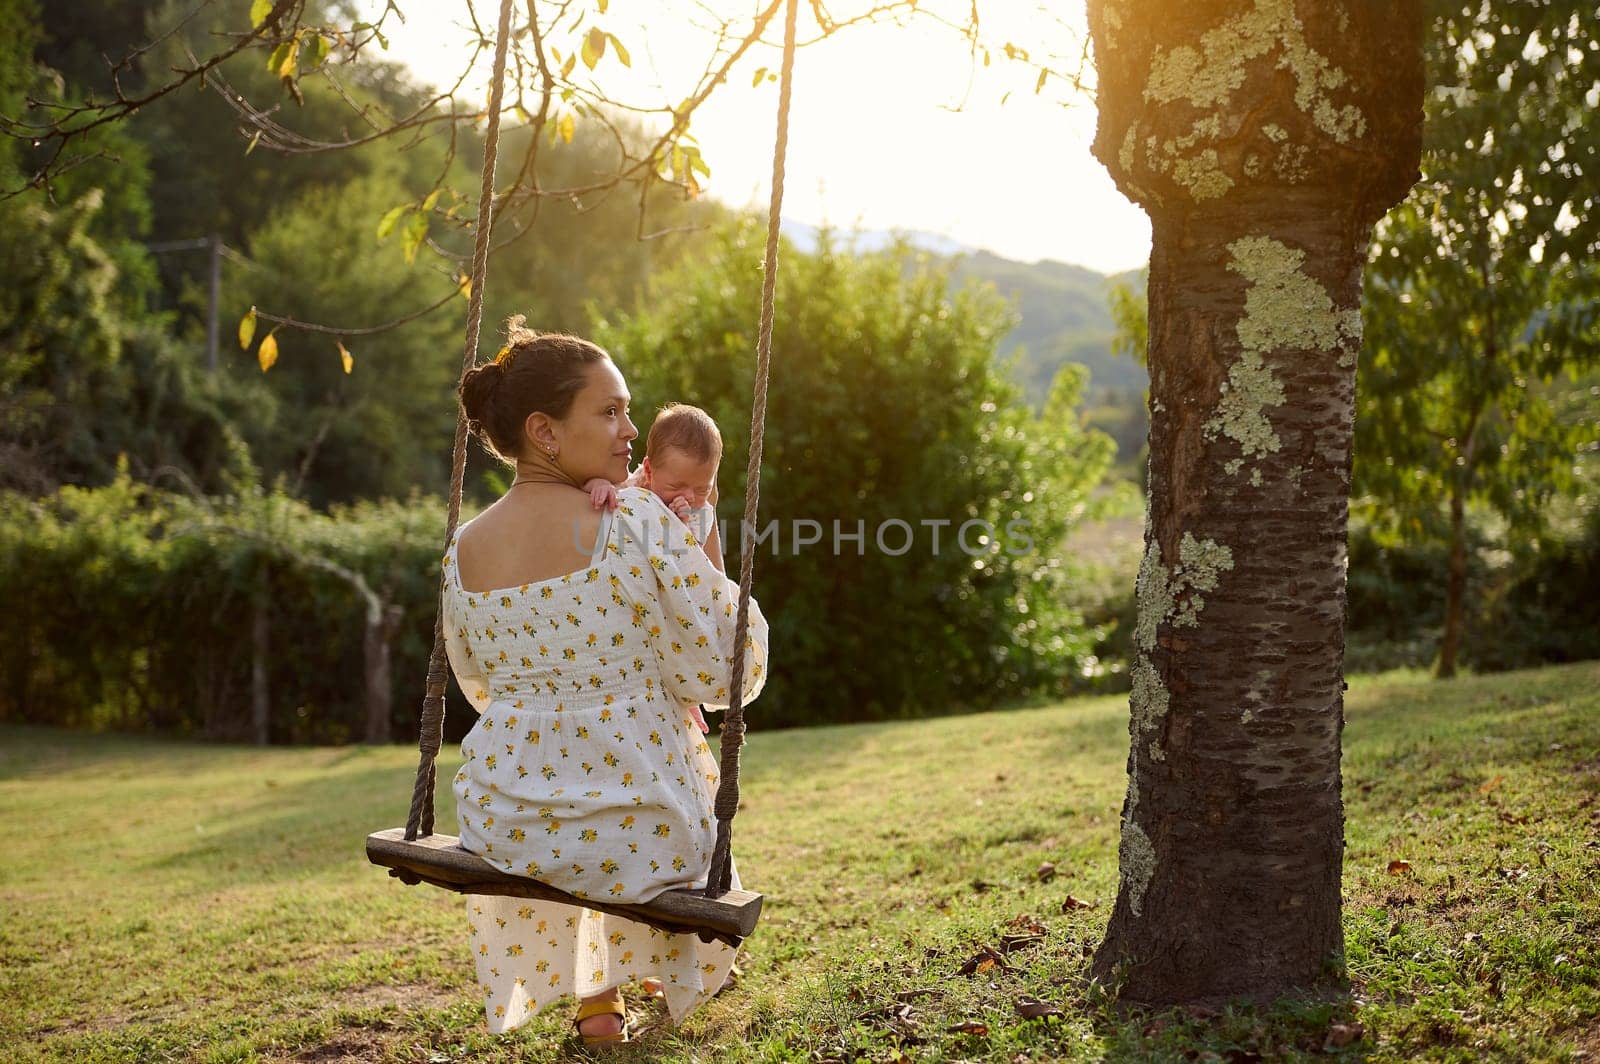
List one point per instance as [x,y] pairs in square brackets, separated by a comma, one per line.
[135,606]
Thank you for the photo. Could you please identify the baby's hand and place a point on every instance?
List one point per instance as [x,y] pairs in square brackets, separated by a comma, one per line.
[602,493]
[682,507]
[699,719]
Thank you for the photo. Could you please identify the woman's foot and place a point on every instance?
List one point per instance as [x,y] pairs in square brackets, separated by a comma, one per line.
[602,1019]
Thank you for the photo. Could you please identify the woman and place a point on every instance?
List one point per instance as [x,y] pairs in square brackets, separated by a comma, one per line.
[581,638]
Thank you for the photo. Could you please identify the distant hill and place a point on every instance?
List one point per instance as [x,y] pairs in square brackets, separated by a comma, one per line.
[1064,317]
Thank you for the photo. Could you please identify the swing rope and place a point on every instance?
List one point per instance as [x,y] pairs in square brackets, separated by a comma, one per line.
[720,878]
[420,820]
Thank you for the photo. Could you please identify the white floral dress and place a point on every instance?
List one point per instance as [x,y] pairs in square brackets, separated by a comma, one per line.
[584,770]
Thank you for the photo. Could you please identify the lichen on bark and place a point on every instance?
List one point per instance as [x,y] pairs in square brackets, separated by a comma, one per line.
[1283,310]
[1162,596]
[1208,77]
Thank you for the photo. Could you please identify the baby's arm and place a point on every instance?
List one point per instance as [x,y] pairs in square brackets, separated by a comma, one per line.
[602,493]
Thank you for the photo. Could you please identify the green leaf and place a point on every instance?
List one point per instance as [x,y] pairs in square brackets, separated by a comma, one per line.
[433,197]
[316,51]
[254,140]
[761,72]
[386,226]
[247,329]
[622,53]
[566,126]
[259,11]
[416,232]
[594,47]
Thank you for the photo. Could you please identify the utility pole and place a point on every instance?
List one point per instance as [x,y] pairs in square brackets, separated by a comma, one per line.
[214,245]
[215,302]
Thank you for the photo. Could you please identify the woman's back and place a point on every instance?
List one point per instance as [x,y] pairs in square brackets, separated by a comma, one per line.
[532,533]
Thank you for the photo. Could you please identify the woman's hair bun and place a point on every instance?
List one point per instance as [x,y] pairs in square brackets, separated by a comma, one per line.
[477,393]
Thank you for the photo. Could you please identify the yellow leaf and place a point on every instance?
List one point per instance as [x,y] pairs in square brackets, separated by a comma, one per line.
[1038,86]
[247,329]
[567,126]
[345,357]
[283,58]
[464,282]
[259,11]
[267,353]
[594,46]
[622,53]
[387,223]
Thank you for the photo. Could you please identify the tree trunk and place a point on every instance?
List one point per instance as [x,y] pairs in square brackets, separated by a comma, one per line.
[260,648]
[1456,586]
[376,644]
[1263,143]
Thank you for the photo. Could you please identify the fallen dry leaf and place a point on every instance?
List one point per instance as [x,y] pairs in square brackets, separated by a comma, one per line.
[1399,868]
[972,1027]
[982,961]
[1025,923]
[1491,784]
[1075,903]
[1342,1034]
[1011,943]
[1031,1008]
[1045,872]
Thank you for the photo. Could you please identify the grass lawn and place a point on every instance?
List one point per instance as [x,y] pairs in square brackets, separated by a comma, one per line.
[177,901]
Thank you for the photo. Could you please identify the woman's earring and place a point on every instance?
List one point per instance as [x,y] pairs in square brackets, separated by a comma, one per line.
[552,451]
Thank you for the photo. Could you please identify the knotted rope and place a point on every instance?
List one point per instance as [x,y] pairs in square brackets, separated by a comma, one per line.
[420,821]
[720,878]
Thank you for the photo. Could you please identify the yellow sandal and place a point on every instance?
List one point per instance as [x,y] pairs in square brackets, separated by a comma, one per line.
[611,1007]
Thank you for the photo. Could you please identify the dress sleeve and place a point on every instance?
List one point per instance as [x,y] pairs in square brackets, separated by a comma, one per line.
[457,647]
[691,608]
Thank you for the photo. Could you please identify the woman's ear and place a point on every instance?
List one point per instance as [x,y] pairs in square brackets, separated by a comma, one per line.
[540,432]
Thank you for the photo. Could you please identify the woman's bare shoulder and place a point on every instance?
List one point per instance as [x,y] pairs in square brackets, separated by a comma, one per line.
[516,541]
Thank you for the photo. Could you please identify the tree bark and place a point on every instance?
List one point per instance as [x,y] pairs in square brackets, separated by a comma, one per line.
[377,643]
[1264,140]
[260,650]
[1455,592]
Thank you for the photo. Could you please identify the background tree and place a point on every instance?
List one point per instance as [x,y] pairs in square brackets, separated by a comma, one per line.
[1483,290]
[1263,142]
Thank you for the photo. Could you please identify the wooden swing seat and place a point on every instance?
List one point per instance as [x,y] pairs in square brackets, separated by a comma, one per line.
[439,859]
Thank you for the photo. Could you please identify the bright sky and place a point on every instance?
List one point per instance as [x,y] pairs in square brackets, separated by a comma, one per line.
[884,131]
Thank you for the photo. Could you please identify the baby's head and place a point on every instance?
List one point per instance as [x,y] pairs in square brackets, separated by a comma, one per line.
[681,454]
